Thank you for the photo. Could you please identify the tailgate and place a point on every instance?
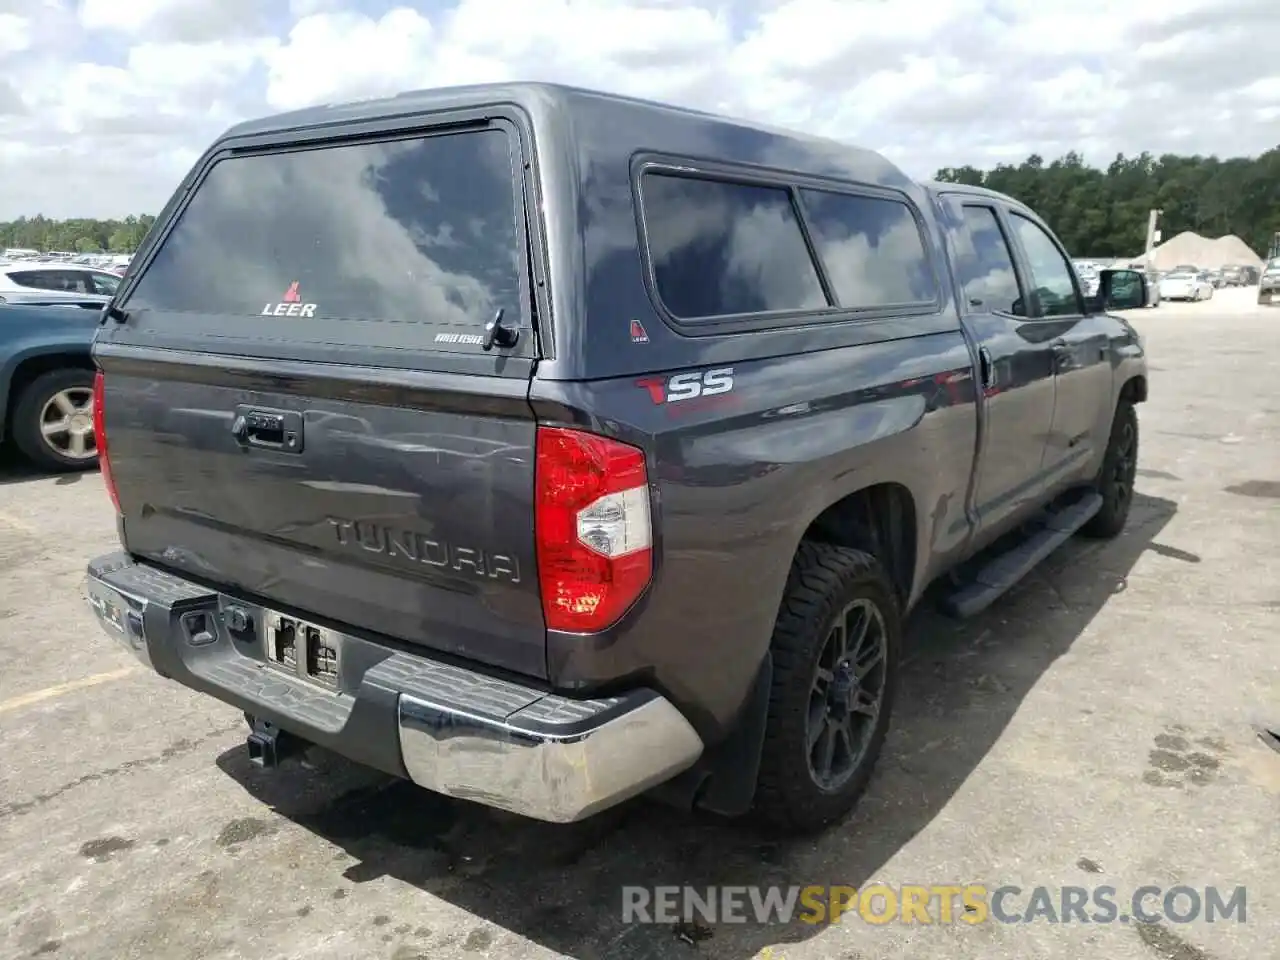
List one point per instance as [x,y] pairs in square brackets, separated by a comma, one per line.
[298,405]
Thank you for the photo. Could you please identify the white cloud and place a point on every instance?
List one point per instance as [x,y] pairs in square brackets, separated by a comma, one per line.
[329,55]
[15,34]
[173,20]
[102,103]
[305,8]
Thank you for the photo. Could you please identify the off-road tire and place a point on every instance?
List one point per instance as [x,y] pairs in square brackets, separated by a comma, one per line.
[823,581]
[1116,490]
[25,422]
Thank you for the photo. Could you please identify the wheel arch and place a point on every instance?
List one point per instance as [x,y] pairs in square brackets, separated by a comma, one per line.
[880,519]
[25,371]
[1135,389]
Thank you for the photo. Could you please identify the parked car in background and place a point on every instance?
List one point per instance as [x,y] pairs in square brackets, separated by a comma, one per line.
[1233,276]
[499,549]
[46,383]
[1186,285]
[1269,283]
[1087,272]
[69,281]
[1250,275]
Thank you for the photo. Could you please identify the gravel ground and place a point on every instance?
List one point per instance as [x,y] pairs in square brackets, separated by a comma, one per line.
[1097,726]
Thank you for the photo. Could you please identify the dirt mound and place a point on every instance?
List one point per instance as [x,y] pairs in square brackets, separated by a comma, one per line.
[1189,247]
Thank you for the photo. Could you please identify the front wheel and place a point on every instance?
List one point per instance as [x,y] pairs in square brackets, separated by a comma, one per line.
[53,420]
[1116,477]
[835,655]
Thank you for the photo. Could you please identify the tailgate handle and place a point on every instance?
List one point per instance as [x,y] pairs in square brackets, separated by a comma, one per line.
[270,429]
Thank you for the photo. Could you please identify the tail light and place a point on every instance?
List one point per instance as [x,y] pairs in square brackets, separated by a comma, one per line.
[100,438]
[593,529]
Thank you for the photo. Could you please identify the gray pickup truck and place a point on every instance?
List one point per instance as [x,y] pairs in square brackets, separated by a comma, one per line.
[547,448]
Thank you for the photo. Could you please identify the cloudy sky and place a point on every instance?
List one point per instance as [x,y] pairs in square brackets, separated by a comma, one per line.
[105,103]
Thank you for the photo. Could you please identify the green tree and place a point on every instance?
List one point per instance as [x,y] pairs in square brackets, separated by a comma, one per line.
[1103,213]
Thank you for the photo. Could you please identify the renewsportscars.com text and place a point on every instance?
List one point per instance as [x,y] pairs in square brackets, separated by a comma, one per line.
[933,903]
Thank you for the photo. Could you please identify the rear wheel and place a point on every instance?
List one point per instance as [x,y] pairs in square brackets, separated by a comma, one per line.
[1116,477]
[53,420]
[835,656]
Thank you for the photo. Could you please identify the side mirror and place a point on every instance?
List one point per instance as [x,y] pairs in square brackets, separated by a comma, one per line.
[1122,290]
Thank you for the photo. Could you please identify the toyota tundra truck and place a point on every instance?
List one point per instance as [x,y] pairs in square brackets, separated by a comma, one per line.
[548,448]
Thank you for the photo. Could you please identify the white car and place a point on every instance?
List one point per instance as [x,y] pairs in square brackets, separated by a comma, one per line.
[1087,271]
[1186,286]
[52,281]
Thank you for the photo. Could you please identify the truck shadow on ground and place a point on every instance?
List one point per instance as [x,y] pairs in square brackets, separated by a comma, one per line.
[561,886]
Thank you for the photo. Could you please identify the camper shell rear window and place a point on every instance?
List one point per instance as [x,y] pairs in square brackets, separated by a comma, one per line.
[407,244]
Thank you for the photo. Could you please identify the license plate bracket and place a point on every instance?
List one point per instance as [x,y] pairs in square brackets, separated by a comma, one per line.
[305,650]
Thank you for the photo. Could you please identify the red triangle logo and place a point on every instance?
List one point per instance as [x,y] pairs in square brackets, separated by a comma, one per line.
[637,332]
[291,295]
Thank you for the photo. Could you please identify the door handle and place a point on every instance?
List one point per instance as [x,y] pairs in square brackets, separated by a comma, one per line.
[986,367]
[269,429]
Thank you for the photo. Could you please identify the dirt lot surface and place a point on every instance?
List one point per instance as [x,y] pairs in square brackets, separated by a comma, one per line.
[1095,727]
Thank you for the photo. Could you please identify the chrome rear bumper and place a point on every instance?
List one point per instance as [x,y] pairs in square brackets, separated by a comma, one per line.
[450,729]
[541,773]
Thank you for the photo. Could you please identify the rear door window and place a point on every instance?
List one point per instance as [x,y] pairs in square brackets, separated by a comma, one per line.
[721,248]
[74,281]
[62,281]
[410,245]
[33,279]
[872,250]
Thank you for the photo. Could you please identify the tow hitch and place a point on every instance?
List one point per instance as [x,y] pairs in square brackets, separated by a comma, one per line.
[269,746]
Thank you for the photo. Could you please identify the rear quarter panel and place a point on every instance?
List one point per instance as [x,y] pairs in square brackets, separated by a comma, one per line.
[738,477]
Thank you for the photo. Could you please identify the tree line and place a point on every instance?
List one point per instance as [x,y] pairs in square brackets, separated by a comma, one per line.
[1103,213]
[80,235]
[1095,212]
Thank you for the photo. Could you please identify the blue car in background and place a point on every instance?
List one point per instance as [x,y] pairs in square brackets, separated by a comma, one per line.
[46,381]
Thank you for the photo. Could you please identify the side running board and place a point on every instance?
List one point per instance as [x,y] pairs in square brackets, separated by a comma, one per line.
[1004,570]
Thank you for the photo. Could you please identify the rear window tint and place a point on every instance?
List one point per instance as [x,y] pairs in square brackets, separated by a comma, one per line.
[871,248]
[721,248]
[411,243]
